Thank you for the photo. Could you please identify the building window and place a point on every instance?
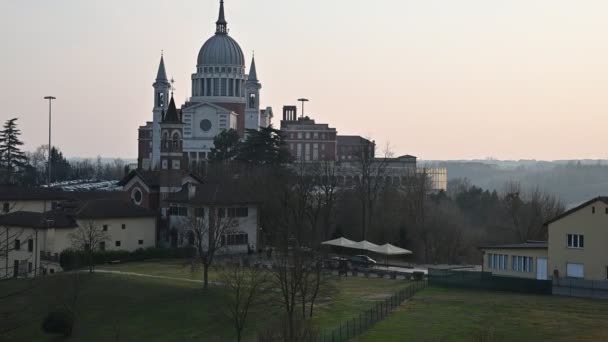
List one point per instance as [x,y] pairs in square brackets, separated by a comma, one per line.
[165,165]
[239,239]
[118,243]
[593,210]
[231,87]
[137,196]
[17,245]
[30,267]
[199,212]
[576,241]
[105,227]
[224,87]
[176,165]
[141,242]
[522,264]
[242,212]
[178,211]
[124,226]
[30,245]
[208,87]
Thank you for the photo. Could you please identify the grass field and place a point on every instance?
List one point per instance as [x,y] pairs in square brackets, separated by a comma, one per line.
[147,309]
[464,315]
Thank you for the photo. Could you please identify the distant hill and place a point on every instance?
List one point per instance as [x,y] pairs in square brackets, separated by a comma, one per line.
[574,181]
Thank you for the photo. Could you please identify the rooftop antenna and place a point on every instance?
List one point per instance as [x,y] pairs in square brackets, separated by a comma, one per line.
[303,100]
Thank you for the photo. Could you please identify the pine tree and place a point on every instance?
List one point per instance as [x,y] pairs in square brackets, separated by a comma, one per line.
[226,146]
[264,147]
[12,159]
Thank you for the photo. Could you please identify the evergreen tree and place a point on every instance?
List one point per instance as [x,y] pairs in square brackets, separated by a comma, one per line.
[264,147]
[226,146]
[12,160]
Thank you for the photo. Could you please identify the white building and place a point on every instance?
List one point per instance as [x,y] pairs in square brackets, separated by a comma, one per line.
[224,96]
[226,208]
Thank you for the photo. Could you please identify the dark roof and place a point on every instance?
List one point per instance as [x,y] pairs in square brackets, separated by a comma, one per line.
[559,217]
[18,193]
[525,245]
[100,209]
[171,116]
[153,178]
[26,219]
[214,194]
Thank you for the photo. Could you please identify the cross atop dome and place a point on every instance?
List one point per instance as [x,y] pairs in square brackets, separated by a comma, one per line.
[221,23]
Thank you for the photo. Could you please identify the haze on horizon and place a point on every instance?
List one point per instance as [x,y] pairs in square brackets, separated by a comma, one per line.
[439,79]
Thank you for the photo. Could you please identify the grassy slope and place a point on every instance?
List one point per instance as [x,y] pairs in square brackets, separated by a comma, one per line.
[462,315]
[146,309]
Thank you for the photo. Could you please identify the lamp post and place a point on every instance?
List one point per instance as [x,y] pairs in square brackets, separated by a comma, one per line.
[48,184]
[303,101]
[50,98]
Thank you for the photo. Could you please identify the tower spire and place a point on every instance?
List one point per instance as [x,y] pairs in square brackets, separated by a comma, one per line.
[221,24]
[162,72]
[253,74]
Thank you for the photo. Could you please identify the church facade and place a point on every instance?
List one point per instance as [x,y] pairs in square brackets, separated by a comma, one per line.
[224,96]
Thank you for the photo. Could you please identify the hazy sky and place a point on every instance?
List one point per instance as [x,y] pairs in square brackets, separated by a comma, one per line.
[440,79]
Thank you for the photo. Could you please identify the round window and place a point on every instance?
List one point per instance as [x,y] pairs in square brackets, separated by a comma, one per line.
[206,125]
[137,196]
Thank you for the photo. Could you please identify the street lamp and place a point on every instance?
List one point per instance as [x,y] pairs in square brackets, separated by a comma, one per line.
[303,101]
[50,98]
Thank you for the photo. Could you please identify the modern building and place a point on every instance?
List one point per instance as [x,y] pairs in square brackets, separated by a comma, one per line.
[576,248]
[354,147]
[224,96]
[36,239]
[307,140]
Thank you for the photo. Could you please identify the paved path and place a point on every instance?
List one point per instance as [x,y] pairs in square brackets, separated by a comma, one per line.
[133,274]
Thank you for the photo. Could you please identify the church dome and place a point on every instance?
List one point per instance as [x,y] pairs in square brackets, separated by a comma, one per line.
[221,49]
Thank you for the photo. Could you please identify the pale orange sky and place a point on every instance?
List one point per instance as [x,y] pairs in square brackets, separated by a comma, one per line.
[440,79]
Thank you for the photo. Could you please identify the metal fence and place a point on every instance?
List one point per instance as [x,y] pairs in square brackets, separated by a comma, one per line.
[487,281]
[581,288]
[359,324]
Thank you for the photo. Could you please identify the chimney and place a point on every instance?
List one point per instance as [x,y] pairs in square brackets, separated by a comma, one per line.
[290,113]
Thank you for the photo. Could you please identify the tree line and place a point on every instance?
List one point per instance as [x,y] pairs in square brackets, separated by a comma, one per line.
[18,167]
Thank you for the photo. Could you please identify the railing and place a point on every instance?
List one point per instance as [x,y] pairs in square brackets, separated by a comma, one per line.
[367,319]
[580,288]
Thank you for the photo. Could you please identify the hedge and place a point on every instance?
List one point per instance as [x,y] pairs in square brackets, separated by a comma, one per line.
[72,259]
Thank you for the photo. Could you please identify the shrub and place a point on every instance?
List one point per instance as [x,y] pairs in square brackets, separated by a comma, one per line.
[71,259]
[58,322]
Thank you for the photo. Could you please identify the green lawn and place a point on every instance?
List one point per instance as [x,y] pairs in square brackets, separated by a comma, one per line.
[176,268]
[466,315]
[148,309]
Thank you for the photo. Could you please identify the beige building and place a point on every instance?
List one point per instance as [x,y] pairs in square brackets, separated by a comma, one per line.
[31,242]
[576,248]
[525,260]
[578,242]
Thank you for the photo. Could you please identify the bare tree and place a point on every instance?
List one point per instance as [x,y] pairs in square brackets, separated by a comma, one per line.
[529,211]
[369,182]
[208,233]
[88,238]
[246,291]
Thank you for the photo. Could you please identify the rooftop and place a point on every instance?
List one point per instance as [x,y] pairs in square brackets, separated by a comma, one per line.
[525,245]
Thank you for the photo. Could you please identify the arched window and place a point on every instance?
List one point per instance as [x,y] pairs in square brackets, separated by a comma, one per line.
[175,139]
[251,100]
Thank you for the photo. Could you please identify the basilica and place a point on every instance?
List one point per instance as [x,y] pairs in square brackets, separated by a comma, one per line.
[224,96]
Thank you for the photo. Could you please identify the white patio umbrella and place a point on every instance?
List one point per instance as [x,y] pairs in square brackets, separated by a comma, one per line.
[364,245]
[341,242]
[389,249]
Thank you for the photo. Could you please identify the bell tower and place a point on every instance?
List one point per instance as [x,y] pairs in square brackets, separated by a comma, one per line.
[172,137]
[252,92]
[162,87]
